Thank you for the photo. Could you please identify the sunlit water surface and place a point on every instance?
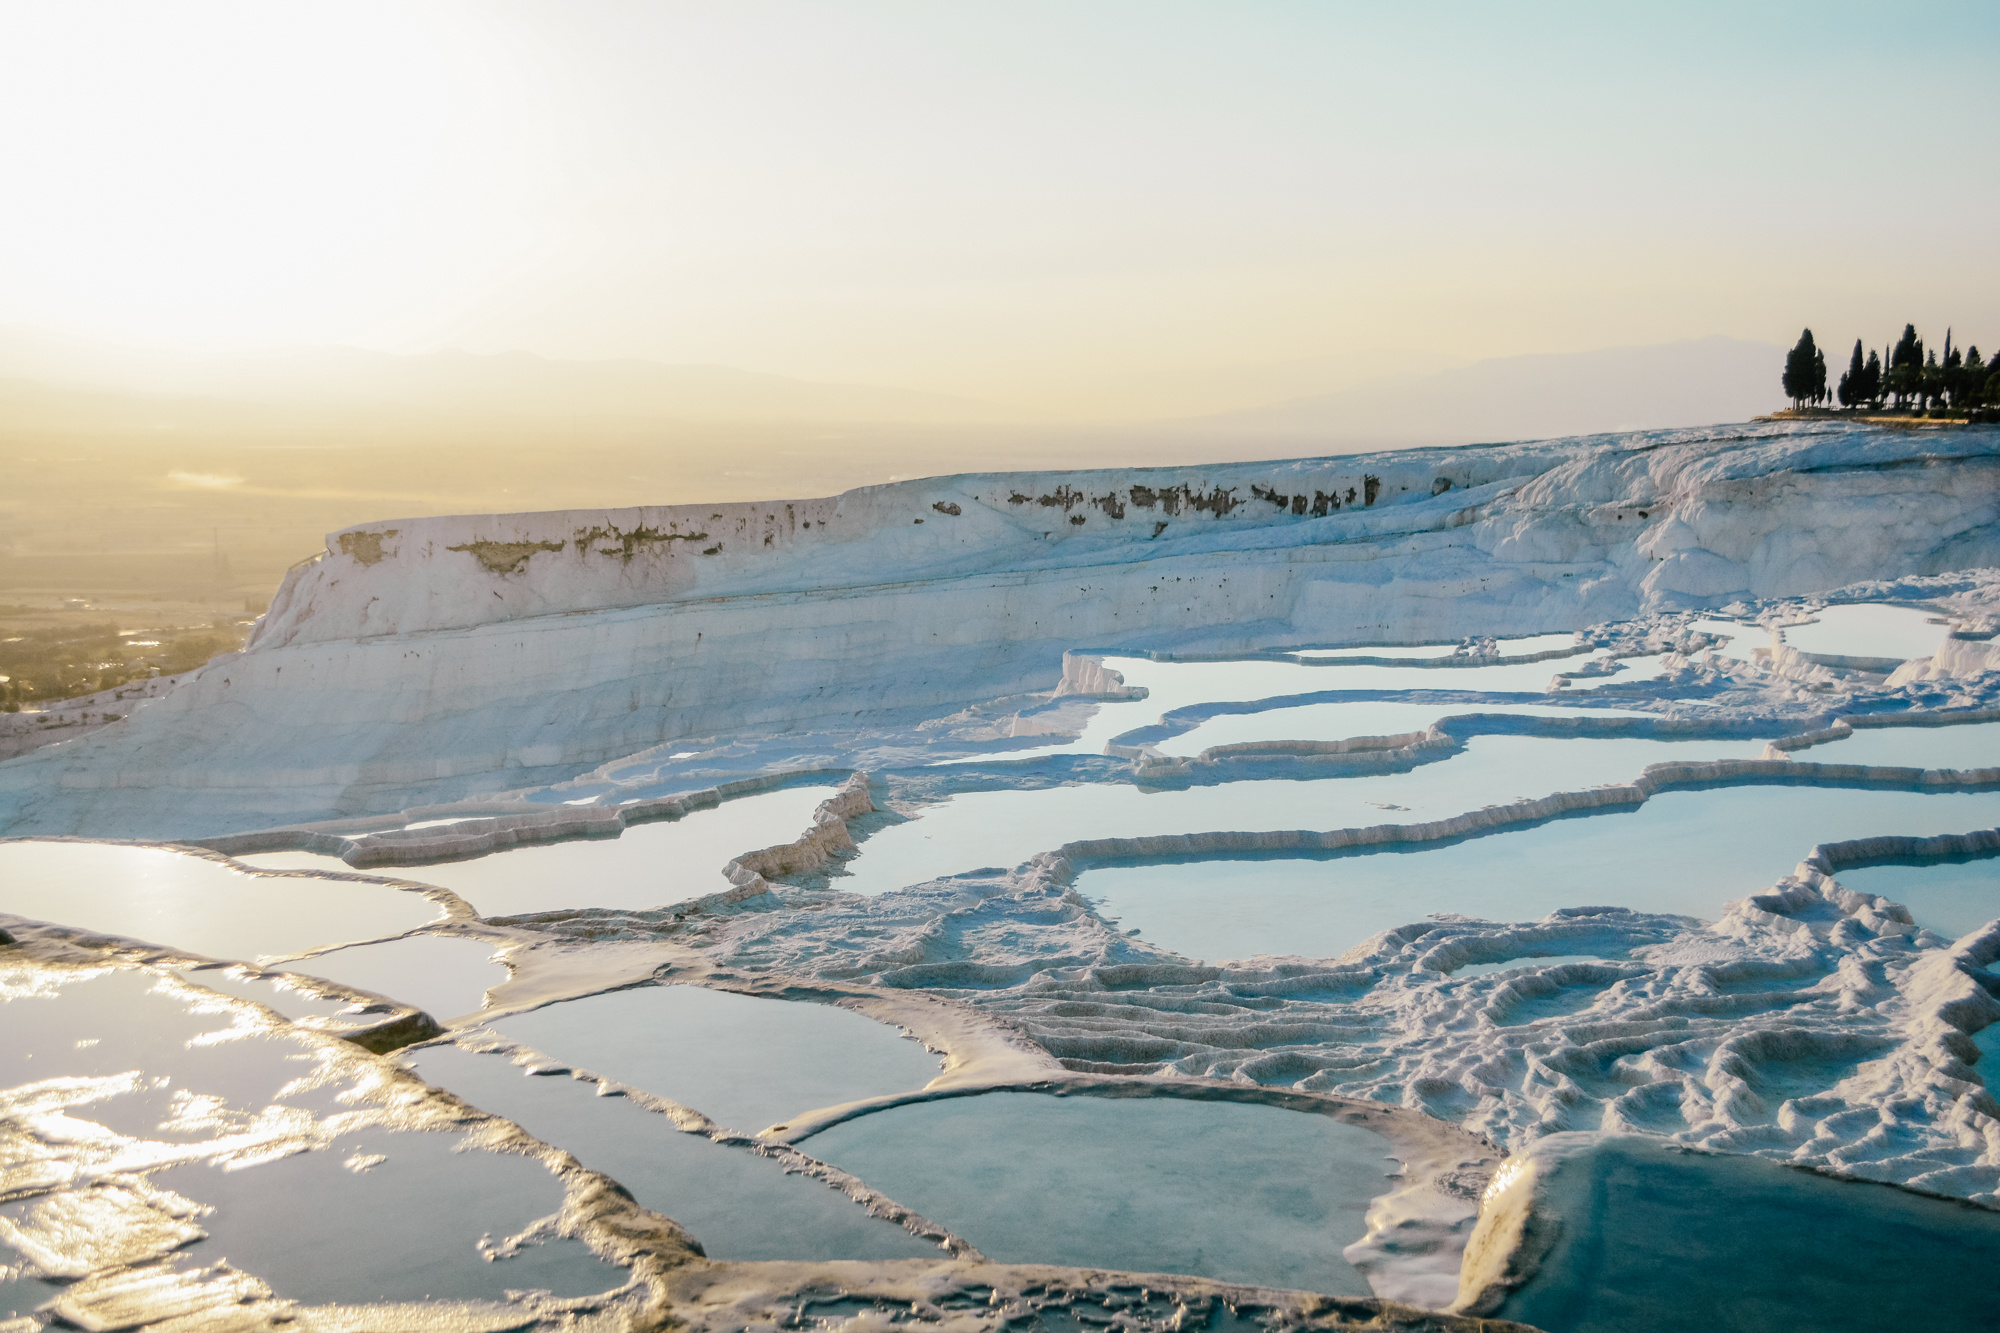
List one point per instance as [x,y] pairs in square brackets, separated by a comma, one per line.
[1682,852]
[335,1225]
[443,976]
[976,830]
[1176,685]
[742,1061]
[1345,721]
[330,1224]
[193,903]
[648,865]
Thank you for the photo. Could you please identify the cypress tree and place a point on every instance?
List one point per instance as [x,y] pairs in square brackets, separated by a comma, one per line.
[1799,370]
[1849,392]
[1906,366]
[1871,380]
[1964,378]
[1909,349]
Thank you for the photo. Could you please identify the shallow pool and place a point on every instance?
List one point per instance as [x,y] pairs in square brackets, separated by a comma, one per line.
[385,1216]
[1951,898]
[976,830]
[1516,964]
[1522,647]
[1414,652]
[157,1046]
[1964,745]
[1683,852]
[1987,1039]
[1226,1190]
[737,1204]
[278,990]
[1870,630]
[445,976]
[192,903]
[649,865]
[744,1062]
[1656,1241]
[1343,721]
[1740,640]
[1174,685]
[178,1075]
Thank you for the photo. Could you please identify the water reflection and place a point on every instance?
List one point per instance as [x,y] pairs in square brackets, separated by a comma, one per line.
[975,830]
[1149,1184]
[649,865]
[193,903]
[1682,852]
[742,1061]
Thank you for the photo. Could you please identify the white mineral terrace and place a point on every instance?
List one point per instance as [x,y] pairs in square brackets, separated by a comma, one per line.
[1260,896]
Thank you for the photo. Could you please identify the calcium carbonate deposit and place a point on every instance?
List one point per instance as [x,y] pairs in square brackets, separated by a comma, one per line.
[1393,890]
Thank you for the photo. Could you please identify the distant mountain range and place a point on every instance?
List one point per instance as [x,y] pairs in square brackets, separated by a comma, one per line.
[433,386]
[1695,383]
[1523,397]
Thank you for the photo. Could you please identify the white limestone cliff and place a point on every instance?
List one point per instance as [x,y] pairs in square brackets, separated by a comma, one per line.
[451,654]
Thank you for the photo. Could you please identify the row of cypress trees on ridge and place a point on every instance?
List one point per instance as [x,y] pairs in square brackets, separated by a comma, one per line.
[1904,376]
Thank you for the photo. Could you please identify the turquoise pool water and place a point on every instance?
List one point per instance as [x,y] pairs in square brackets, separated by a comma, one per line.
[1869,630]
[737,1204]
[1685,852]
[1965,745]
[974,830]
[1227,1190]
[649,865]
[1175,685]
[744,1062]
[1342,721]
[1533,643]
[1516,964]
[320,1228]
[1655,1241]
[1953,899]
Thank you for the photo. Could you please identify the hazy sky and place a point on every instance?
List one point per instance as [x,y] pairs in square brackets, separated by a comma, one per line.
[1076,207]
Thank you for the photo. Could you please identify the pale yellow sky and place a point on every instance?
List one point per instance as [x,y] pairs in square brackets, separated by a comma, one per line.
[1081,210]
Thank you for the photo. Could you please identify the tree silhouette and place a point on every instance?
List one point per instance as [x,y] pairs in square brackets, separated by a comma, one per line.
[1964,378]
[1849,392]
[1805,371]
[1931,382]
[1906,366]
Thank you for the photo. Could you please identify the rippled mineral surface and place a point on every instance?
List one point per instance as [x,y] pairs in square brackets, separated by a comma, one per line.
[1635,976]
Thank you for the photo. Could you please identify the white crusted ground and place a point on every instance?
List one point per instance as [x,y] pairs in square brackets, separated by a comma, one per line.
[1808,1023]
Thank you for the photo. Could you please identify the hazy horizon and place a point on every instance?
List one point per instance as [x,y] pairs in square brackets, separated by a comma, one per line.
[1115,213]
[270,271]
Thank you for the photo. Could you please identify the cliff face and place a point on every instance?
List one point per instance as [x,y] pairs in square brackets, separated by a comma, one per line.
[416,653]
